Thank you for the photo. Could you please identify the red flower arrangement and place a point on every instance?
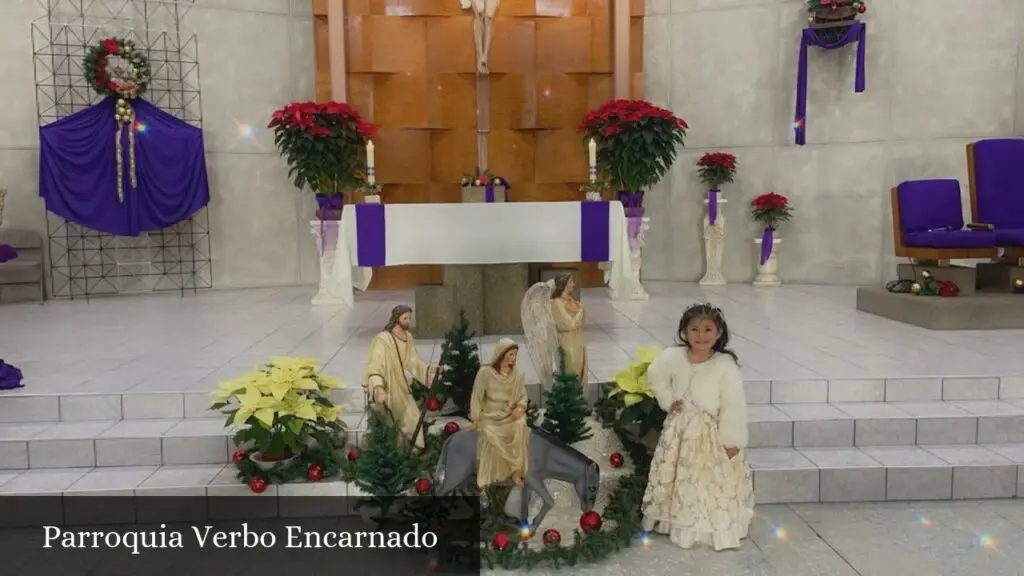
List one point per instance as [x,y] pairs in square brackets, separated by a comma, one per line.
[324,144]
[636,142]
[770,210]
[716,168]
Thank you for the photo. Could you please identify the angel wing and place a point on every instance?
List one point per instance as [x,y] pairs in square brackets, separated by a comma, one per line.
[539,330]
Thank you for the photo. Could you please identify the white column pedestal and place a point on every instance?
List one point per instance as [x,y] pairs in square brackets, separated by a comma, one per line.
[714,247]
[767,273]
[634,290]
[331,292]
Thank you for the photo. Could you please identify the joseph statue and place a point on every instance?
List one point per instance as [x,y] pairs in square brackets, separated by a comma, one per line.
[391,367]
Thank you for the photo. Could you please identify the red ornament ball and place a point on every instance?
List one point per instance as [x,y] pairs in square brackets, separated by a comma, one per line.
[451,428]
[315,473]
[500,541]
[353,455]
[590,522]
[433,404]
[422,486]
[238,456]
[616,460]
[862,8]
[551,537]
[258,485]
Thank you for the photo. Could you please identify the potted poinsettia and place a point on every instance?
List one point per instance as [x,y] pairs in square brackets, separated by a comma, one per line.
[715,169]
[769,210]
[629,405]
[324,144]
[636,145]
[279,411]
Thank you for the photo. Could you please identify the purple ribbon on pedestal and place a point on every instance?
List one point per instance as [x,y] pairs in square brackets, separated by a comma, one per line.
[10,377]
[767,242]
[712,206]
[7,252]
[857,32]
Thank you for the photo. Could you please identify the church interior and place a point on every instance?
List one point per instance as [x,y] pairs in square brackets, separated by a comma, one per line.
[193,188]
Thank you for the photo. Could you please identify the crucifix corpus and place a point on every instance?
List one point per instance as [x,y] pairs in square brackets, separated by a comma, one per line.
[483,24]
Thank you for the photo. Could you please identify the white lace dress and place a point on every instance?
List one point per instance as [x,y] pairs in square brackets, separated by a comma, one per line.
[696,493]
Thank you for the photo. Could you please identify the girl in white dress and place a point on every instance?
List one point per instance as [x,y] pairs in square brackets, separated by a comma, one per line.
[699,489]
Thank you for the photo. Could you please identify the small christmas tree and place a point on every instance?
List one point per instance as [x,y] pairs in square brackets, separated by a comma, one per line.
[386,467]
[565,408]
[462,362]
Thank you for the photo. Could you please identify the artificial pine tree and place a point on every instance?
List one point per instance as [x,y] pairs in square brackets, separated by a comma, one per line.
[565,408]
[386,467]
[462,362]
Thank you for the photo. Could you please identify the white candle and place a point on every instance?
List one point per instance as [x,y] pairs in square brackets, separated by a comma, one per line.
[593,153]
[369,154]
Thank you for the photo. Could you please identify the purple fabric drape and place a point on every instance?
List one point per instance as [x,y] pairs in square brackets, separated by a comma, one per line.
[10,377]
[78,170]
[857,32]
[7,253]
[712,206]
[767,243]
[595,229]
[371,236]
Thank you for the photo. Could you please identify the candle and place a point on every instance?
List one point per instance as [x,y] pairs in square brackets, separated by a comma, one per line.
[593,153]
[369,154]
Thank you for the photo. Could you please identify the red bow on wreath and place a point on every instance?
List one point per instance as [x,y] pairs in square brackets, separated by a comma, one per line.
[948,288]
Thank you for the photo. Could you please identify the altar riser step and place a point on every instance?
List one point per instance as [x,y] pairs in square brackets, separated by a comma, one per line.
[983,474]
[22,406]
[206,441]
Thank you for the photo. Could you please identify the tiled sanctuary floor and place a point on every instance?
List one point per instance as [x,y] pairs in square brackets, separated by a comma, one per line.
[169,343]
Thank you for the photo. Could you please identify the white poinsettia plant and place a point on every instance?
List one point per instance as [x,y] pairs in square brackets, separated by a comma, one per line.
[281,407]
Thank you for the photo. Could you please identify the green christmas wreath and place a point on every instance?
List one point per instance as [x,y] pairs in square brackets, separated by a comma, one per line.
[127,81]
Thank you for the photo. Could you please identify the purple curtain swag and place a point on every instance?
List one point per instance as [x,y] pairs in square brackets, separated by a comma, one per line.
[78,170]
[857,32]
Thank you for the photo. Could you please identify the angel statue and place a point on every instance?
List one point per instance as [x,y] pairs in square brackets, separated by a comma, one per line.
[498,412]
[553,319]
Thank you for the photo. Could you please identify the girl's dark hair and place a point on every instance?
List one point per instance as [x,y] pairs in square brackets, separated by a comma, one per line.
[714,314]
[561,282]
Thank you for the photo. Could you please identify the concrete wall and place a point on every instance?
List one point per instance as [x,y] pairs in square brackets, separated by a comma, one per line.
[940,74]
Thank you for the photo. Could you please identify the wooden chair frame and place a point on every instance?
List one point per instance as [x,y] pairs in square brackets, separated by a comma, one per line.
[928,254]
[1014,253]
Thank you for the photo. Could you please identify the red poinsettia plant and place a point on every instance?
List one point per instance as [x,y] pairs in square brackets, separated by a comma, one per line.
[716,168]
[771,209]
[324,144]
[636,142]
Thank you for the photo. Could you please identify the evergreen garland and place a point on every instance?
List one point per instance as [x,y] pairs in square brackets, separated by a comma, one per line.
[326,454]
[565,408]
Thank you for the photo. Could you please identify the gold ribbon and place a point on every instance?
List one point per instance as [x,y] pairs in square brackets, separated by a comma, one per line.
[125,121]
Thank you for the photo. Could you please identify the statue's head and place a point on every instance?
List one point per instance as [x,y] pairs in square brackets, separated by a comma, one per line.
[564,283]
[587,486]
[401,316]
[506,352]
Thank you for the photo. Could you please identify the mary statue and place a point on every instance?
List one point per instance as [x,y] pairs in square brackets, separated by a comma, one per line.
[498,412]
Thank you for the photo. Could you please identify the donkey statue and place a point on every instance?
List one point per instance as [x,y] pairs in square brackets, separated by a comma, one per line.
[550,459]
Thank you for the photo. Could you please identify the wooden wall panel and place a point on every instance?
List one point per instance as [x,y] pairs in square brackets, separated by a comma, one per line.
[411,70]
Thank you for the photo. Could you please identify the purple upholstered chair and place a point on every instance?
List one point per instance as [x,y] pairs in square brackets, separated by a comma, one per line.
[996,171]
[928,223]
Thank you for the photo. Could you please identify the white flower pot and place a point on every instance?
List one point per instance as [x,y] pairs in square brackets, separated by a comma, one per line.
[593,196]
[265,466]
[767,273]
[371,199]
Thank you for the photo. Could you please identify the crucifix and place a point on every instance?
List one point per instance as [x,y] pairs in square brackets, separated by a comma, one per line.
[483,24]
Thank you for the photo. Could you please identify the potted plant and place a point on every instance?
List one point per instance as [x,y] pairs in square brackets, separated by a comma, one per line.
[831,18]
[280,410]
[482,186]
[715,169]
[769,210]
[629,405]
[636,146]
[324,144]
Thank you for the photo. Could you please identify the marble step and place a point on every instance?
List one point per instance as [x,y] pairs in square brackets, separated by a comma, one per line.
[155,441]
[780,475]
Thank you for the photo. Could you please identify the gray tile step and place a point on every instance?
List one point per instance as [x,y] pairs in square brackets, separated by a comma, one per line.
[155,442]
[780,475]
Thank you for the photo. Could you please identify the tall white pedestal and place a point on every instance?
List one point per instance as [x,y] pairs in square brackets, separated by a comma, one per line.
[714,247]
[335,284]
[767,273]
[633,289]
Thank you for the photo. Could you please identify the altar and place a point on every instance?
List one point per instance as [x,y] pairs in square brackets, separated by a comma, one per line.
[496,240]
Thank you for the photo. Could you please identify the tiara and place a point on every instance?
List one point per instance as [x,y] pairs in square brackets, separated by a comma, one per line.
[704,308]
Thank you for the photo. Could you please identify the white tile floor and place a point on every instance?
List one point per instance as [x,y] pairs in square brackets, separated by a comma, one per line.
[169,343]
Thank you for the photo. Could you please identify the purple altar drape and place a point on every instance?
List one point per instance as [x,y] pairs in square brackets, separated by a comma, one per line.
[857,32]
[10,377]
[78,170]
[7,253]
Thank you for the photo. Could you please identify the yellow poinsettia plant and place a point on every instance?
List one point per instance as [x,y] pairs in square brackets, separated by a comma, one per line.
[630,403]
[281,407]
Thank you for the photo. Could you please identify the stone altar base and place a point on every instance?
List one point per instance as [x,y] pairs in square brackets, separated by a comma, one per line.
[491,296]
[504,287]
[998,277]
[982,311]
[964,277]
